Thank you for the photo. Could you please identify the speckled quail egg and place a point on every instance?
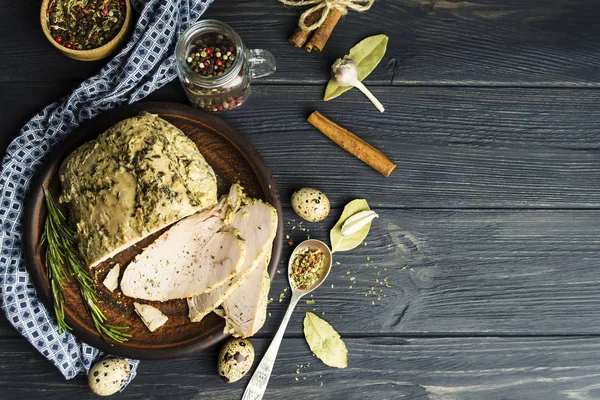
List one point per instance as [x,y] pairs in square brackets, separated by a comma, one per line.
[108,376]
[235,359]
[311,204]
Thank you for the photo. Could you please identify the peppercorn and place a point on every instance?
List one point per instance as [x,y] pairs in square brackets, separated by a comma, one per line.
[209,59]
[81,28]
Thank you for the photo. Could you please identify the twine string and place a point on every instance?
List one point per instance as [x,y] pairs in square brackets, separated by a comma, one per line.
[325,7]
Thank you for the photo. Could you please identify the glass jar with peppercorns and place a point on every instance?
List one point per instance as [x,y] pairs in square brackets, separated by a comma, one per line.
[215,68]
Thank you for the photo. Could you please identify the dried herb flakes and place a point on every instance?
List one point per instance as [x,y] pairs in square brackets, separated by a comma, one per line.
[85,24]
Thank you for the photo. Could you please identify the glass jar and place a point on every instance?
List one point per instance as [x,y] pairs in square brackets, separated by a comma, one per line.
[215,68]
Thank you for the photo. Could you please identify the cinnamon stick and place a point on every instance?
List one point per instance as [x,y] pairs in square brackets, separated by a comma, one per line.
[321,35]
[352,144]
[300,35]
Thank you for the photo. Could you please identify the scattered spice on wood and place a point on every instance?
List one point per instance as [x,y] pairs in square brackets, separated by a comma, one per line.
[85,24]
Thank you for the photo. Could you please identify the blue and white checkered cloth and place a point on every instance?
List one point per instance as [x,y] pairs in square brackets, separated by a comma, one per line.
[145,64]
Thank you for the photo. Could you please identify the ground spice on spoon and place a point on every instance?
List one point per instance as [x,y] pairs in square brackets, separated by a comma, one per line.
[306,268]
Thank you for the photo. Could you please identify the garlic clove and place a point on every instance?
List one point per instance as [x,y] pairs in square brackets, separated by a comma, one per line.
[358,221]
[344,72]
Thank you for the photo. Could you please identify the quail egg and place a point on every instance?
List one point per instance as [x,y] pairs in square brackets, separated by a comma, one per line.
[108,376]
[235,359]
[311,204]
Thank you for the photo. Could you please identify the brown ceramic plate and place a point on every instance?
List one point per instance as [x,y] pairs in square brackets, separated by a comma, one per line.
[233,159]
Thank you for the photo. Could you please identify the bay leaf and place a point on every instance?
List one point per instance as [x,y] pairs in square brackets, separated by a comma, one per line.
[344,243]
[325,342]
[367,54]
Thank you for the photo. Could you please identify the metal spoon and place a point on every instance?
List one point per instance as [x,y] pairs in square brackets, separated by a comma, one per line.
[258,383]
[345,73]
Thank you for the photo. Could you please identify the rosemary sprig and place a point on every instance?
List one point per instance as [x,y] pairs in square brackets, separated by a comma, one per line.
[54,260]
[62,250]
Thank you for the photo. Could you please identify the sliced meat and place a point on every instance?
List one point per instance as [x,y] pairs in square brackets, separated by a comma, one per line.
[192,257]
[150,316]
[256,222]
[111,281]
[245,310]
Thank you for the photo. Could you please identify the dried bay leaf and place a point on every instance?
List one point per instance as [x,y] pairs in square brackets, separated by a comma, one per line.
[344,243]
[367,54]
[325,342]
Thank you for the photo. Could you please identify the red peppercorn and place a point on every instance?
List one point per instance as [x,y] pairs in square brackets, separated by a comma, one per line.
[231,49]
[69,46]
[58,39]
[105,11]
[207,63]
[220,108]
[208,51]
[219,63]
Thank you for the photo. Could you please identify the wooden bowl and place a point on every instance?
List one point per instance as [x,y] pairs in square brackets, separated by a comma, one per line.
[93,54]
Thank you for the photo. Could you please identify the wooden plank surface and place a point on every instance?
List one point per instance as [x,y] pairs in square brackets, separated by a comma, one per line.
[479,147]
[379,368]
[433,42]
[457,272]
[479,280]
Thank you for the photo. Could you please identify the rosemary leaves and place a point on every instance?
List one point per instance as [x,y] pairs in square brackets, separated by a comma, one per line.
[85,24]
[61,252]
[53,236]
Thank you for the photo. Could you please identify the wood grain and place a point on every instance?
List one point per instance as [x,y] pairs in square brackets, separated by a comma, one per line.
[483,148]
[489,226]
[379,368]
[457,272]
[433,42]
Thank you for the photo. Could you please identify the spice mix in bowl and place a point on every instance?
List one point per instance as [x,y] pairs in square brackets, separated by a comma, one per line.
[86,30]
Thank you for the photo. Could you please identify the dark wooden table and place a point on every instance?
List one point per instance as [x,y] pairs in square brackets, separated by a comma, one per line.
[489,228]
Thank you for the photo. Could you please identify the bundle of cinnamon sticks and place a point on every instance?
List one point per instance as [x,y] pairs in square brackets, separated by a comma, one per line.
[318,38]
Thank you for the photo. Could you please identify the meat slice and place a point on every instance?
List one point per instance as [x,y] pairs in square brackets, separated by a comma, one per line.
[194,256]
[256,223]
[245,310]
[111,281]
[150,316]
